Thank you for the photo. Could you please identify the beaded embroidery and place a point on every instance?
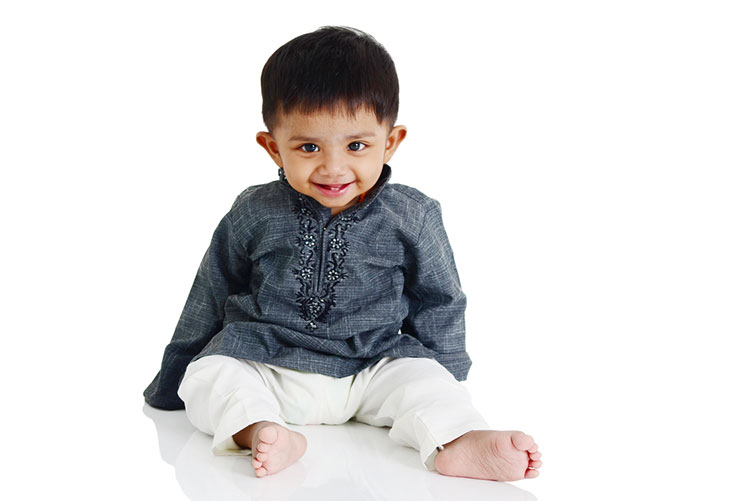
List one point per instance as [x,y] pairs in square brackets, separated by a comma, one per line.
[316,300]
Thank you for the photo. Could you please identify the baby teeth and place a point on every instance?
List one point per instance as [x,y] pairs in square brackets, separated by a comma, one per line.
[334,187]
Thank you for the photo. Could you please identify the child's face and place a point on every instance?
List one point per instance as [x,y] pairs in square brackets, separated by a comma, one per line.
[330,155]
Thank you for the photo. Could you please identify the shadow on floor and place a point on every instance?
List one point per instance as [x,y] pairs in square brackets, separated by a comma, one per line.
[346,462]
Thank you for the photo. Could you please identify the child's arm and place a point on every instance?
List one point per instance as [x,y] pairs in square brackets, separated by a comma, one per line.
[436,301]
[224,271]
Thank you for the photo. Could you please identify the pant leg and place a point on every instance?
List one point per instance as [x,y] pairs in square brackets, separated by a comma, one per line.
[422,403]
[224,395]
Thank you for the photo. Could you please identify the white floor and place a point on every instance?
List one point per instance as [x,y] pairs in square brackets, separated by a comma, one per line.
[348,462]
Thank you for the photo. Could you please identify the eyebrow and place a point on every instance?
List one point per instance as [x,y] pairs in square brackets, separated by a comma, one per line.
[359,135]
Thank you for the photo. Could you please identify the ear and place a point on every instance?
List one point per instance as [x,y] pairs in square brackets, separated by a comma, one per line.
[267,142]
[398,133]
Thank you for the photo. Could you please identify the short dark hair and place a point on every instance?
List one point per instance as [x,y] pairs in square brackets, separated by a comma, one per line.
[330,67]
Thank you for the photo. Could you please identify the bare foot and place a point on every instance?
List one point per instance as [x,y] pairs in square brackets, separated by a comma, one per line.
[490,455]
[274,447]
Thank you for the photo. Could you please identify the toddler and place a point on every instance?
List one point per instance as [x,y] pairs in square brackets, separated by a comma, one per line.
[332,294]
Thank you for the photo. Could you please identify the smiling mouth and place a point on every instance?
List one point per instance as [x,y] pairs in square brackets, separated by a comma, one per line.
[333,188]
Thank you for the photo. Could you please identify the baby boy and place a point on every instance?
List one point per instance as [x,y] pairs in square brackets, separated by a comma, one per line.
[332,294]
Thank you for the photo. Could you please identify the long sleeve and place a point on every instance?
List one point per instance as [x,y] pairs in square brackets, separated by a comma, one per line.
[436,301]
[224,271]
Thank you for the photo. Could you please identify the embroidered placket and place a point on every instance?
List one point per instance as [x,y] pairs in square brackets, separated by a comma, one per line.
[321,263]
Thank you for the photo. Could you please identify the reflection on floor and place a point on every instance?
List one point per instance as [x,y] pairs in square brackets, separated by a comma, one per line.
[346,462]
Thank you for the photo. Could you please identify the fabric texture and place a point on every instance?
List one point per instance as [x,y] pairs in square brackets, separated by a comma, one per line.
[420,401]
[284,282]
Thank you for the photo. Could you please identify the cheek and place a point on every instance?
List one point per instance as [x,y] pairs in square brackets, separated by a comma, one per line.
[293,166]
[370,173]
[294,176]
[297,172]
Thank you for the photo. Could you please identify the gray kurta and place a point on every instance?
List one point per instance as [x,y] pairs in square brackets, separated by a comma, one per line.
[285,283]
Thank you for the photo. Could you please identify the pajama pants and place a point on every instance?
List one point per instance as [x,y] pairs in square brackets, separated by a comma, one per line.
[420,401]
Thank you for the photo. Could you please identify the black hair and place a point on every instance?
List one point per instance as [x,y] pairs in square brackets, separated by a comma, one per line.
[330,67]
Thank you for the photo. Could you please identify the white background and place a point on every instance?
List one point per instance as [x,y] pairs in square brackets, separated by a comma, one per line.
[592,160]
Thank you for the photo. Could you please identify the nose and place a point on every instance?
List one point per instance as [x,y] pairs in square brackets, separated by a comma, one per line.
[334,164]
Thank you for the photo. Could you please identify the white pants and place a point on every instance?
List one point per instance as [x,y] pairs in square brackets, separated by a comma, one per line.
[417,397]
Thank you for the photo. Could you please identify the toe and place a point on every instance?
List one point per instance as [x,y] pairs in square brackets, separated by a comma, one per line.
[535,464]
[263,447]
[534,456]
[532,473]
[256,464]
[522,441]
[261,456]
[261,472]
[269,434]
